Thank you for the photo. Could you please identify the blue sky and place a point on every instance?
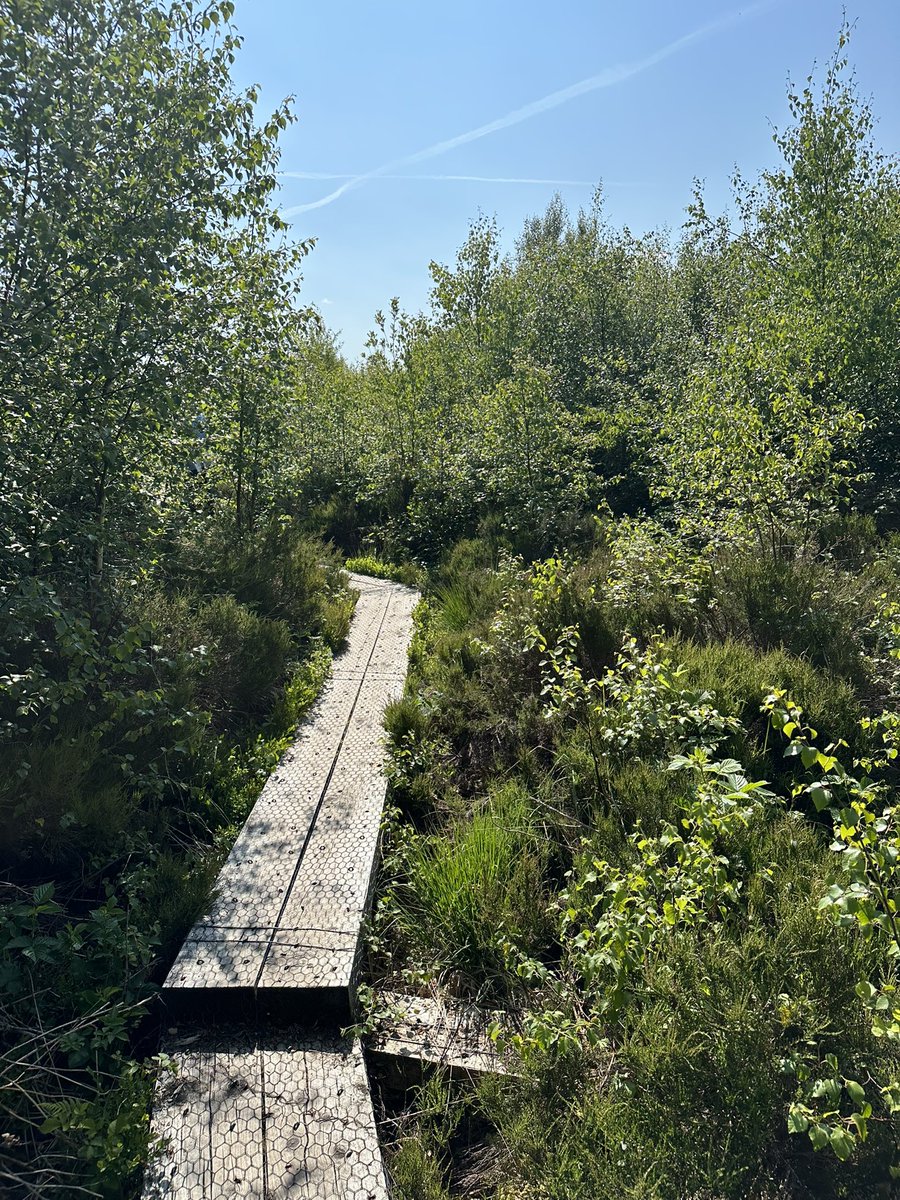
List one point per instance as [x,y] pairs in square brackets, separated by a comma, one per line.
[643,96]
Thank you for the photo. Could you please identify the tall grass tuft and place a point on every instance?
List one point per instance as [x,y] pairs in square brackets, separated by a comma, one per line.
[475,888]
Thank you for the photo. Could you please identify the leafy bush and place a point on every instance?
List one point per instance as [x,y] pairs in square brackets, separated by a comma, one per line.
[71,987]
[132,754]
[278,571]
[808,608]
[690,985]
[739,678]
[246,659]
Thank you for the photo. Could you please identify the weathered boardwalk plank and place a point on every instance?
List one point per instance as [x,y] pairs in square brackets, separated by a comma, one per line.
[448,1033]
[278,1115]
[283,931]
[284,1113]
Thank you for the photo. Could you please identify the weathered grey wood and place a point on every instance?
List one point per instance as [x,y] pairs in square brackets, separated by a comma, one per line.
[292,895]
[279,1115]
[257,1110]
[440,1030]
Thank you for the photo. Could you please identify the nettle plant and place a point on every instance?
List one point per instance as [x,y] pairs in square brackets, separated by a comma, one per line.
[831,1108]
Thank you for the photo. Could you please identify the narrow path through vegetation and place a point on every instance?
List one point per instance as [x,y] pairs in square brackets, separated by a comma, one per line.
[272,1110]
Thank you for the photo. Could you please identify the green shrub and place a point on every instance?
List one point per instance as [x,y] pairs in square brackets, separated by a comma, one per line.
[405,721]
[419,768]
[177,890]
[240,659]
[697,1100]
[739,677]
[646,794]
[337,613]
[304,682]
[338,519]
[108,1133]
[115,785]
[60,808]
[650,578]
[466,588]
[279,572]
[850,538]
[471,558]
[693,1100]
[415,1172]
[246,659]
[807,608]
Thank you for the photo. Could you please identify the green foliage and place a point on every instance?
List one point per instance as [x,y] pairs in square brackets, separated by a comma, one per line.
[629,466]
[651,482]
[162,616]
[71,986]
[775,426]
[245,657]
[136,310]
[415,1172]
[109,1133]
[738,675]
[495,410]
[456,898]
[419,1158]
[681,982]
[612,919]
[367,565]
[833,1110]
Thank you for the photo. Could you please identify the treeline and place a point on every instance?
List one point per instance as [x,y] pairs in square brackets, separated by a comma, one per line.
[750,367]
[644,777]
[164,620]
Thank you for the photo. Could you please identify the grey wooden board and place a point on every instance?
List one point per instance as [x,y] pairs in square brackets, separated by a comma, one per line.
[291,898]
[440,1030]
[283,1115]
[287,1114]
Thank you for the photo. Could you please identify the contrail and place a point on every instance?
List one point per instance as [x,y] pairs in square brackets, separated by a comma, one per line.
[454,178]
[606,79]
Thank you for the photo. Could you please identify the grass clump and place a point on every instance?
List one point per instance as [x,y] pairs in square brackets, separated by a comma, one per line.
[367,564]
[460,895]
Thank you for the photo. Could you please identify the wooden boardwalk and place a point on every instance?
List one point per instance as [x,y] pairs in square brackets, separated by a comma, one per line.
[446,1033]
[274,1103]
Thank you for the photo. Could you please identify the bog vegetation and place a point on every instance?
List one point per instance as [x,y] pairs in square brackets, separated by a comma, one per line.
[643,781]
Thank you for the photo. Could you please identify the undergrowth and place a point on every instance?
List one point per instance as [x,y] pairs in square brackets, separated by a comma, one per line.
[600,832]
[131,760]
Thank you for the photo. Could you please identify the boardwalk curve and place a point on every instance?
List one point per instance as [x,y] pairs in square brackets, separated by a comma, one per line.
[269,1101]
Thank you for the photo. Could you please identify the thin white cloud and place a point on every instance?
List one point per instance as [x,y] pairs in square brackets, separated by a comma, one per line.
[607,78]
